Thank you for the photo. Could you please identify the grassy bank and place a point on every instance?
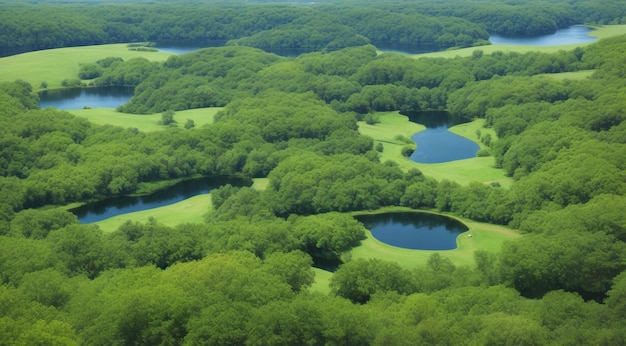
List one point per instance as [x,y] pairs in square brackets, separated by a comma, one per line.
[191,210]
[55,65]
[394,129]
[146,123]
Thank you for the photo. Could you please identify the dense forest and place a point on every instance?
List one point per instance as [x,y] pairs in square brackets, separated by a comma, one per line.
[32,25]
[244,276]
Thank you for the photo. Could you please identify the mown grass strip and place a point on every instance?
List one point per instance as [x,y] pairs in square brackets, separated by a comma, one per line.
[146,123]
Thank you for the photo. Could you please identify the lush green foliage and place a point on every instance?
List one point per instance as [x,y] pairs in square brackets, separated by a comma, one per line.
[243,277]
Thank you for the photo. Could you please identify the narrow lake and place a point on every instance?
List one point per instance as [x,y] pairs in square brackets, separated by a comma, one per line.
[104,209]
[414,230]
[572,35]
[79,98]
[436,144]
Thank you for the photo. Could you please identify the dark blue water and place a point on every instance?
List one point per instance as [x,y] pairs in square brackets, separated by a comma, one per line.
[572,35]
[79,98]
[436,144]
[411,230]
[104,209]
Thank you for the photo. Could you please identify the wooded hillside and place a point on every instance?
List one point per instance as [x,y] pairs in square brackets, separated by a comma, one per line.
[244,276]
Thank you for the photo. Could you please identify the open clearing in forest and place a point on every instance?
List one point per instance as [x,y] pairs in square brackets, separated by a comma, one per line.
[600,31]
[393,124]
[485,236]
[55,65]
[146,123]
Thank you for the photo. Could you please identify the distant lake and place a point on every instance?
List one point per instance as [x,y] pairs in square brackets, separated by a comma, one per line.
[408,48]
[414,230]
[184,47]
[78,98]
[436,144]
[572,35]
[104,209]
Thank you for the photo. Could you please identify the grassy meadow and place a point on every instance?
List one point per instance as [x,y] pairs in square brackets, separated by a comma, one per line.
[55,65]
[146,123]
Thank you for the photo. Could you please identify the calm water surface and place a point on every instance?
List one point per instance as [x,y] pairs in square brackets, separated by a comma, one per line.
[436,144]
[572,35]
[79,98]
[104,209]
[411,230]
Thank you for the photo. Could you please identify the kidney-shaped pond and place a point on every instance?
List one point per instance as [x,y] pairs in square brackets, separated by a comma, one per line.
[436,144]
[414,230]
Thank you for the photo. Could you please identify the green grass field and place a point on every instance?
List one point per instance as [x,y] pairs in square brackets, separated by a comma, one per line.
[146,123]
[55,65]
[393,124]
[322,280]
[600,32]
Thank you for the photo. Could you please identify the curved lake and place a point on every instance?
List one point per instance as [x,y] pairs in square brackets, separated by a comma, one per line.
[436,144]
[79,98]
[104,209]
[414,230]
[572,35]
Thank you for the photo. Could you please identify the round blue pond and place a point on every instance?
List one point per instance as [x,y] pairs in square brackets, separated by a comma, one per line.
[414,230]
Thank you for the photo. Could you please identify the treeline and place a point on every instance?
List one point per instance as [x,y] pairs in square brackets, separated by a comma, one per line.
[521,18]
[353,79]
[320,26]
[259,25]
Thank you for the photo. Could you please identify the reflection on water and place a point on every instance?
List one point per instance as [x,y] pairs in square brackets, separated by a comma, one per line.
[104,209]
[412,230]
[572,35]
[79,98]
[436,144]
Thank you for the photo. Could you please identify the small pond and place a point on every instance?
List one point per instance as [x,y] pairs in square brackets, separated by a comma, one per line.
[414,230]
[104,209]
[79,98]
[572,35]
[436,144]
